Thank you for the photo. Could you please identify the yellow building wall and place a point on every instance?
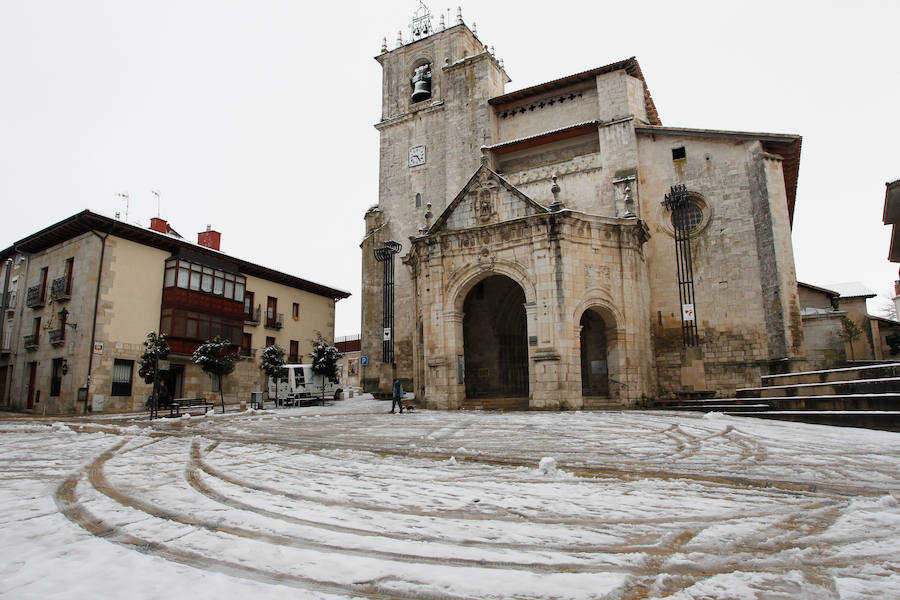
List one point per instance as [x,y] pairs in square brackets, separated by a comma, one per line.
[135,291]
[316,315]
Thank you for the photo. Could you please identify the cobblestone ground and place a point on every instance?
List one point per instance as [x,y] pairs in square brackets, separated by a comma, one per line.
[348,501]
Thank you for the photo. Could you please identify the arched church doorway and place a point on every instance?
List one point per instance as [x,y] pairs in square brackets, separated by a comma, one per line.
[594,355]
[495,339]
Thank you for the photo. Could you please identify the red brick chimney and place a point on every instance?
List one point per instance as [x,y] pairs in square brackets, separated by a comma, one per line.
[160,225]
[209,238]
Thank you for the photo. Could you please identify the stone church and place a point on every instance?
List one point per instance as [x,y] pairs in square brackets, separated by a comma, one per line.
[557,247]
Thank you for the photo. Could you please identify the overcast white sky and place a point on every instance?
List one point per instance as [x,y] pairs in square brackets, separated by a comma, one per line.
[257,116]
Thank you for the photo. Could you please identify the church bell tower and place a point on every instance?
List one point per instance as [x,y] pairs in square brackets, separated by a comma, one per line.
[435,118]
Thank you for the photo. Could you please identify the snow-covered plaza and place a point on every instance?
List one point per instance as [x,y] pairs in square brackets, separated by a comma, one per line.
[348,501]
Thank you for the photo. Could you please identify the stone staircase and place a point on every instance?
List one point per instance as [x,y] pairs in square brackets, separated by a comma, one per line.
[857,396]
[495,404]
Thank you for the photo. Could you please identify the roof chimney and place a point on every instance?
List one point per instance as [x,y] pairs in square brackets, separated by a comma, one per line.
[160,225]
[209,238]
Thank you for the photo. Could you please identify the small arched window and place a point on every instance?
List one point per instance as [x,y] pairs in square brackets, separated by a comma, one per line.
[418,200]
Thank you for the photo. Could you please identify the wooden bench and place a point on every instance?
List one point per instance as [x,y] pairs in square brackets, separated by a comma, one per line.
[180,404]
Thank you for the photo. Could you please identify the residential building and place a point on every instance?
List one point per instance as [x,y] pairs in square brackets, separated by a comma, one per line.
[82,295]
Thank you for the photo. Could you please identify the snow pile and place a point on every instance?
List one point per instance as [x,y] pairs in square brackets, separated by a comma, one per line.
[547,466]
[61,428]
[714,415]
[452,461]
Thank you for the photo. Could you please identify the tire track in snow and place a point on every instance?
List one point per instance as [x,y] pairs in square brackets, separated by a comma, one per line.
[69,505]
[102,485]
[192,475]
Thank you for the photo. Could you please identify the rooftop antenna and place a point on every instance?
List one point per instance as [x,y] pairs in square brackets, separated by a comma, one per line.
[124,196]
[156,193]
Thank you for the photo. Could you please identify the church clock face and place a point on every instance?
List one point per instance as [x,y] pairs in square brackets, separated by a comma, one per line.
[416,156]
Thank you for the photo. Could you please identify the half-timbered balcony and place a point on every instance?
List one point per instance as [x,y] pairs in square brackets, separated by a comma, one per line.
[34,297]
[31,341]
[58,336]
[61,288]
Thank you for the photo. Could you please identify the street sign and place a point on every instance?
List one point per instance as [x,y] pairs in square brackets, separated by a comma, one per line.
[687,312]
[364,360]
[387,334]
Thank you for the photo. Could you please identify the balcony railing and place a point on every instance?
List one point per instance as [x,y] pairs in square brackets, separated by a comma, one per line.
[276,323]
[60,288]
[58,336]
[252,318]
[31,341]
[34,298]
[11,298]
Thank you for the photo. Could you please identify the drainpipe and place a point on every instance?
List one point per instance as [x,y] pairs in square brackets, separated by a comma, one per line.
[94,324]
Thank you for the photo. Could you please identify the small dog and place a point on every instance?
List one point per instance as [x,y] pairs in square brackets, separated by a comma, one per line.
[409,407]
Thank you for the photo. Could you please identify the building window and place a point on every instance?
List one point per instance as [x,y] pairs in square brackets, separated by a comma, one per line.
[418,200]
[679,153]
[56,376]
[687,217]
[70,268]
[246,344]
[271,308]
[121,379]
[294,355]
[270,341]
[295,311]
[191,276]
[44,272]
[248,306]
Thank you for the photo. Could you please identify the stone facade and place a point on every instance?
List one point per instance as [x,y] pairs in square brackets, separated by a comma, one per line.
[536,251]
[115,295]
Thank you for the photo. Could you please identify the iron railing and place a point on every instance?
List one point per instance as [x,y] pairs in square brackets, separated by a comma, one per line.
[60,288]
[57,336]
[676,201]
[385,255]
[31,341]
[34,297]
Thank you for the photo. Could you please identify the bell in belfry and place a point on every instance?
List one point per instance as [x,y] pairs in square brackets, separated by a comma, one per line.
[421,83]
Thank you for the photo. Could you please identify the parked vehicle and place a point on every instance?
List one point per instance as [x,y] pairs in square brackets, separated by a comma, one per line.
[301,382]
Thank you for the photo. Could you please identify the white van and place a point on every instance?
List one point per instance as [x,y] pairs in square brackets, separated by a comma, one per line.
[301,383]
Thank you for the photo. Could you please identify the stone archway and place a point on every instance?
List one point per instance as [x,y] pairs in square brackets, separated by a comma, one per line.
[495,340]
[594,355]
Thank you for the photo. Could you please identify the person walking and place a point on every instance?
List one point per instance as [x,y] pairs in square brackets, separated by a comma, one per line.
[398,396]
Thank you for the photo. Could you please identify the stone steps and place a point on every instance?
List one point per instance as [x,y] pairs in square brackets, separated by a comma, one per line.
[883,385]
[879,371]
[495,404]
[857,396]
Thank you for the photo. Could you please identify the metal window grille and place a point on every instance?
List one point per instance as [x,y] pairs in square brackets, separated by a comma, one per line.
[686,216]
[121,378]
[385,255]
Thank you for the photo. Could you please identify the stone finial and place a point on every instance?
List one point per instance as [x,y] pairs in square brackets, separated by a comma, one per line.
[384,44]
[459,15]
[428,215]
[492,51]
[442,25]
[399,38]
[554,189]
[500,62]
[629,204]
[474,29]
